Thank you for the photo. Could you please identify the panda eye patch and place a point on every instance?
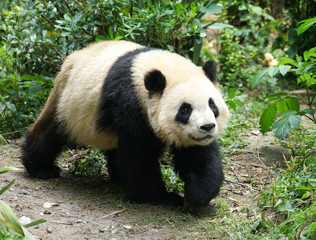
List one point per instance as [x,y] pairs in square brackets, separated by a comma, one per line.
[184,113]
[213,107]
[185,108]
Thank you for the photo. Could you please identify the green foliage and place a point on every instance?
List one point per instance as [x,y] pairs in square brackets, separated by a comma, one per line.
[288,107]
[87,162]
[10,227]
[36,36]
[292,195]
[172,180]
[242,47]
[294,13]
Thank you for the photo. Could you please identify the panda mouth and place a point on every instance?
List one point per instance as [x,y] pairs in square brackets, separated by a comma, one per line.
[201,139]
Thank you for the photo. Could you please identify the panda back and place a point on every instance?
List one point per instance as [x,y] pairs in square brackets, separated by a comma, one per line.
[79,101]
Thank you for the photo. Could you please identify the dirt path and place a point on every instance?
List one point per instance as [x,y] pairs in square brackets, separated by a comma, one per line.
[87,208]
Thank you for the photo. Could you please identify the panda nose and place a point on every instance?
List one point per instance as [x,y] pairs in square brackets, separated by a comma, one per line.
[207,127]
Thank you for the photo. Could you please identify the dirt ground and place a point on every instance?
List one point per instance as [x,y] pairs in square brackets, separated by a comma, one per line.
[92,208]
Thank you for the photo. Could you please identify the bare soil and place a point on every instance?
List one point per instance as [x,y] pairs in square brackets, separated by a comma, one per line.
[92,208]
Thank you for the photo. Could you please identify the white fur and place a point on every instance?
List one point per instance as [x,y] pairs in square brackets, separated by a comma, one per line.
[185,83]
[78,104]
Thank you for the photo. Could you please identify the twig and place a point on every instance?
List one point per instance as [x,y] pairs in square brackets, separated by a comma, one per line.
[231,169]
[238,183]
[64,223]
[10,133]
[241,150]
[82,8]
[113,213]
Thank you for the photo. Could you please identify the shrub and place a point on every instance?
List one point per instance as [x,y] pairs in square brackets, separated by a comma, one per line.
[36,36]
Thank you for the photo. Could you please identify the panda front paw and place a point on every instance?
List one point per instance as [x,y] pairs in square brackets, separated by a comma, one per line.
[199,191]
[169,198]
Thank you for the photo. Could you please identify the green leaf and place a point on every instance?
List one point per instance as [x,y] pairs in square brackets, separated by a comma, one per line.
[100,38]
[8,218]
[306,24]
[231,93]
[257,10]
[212,8]
[293,104]
[7,169]
[65,34]
[276,96]
[295,121]
[287,114]
[306,195]
[231,104]
[303,78]
[2,107]
[11,106]
[258,78]
[309,111]
[5,188]
[309,53]
[28,77]
[35,223]
[273,71]
[311,228]
[288,104]
[282,127]
[284,69]
[35,88]
[283,206]
[267,118]
[284,61]
[111,33]
[219,26]
[68,17]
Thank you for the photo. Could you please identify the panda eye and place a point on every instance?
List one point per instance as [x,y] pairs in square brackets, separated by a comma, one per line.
[184,113]
[211,103]
[186,108]
[213,107]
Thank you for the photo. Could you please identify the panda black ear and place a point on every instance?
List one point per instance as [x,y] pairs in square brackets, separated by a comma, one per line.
[155,81]
[210,70]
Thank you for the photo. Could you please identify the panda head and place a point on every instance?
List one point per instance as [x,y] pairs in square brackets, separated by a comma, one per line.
[185,108]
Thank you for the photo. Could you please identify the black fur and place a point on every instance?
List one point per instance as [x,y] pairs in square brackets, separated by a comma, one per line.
[210,70]
[155,81]
[200,167]
[213,107]
[136,163]
[39,151]
[184,113]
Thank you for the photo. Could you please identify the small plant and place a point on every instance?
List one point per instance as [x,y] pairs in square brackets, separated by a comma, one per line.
[10,227]
[287,106]
[172,180]
[88,162]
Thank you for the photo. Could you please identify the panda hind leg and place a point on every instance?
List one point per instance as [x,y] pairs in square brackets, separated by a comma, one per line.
[112,166]
[40,149]
[140,174]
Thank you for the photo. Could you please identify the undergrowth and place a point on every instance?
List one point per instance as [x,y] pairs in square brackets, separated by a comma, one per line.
[288,204]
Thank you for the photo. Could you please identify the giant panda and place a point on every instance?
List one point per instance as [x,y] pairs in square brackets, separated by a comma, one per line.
[132,102]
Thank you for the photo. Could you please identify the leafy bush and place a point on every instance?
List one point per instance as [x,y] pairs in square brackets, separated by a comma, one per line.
[242,47]
[288,106]
[36,36]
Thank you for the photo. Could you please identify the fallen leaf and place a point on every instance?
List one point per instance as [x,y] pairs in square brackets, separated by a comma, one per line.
[49,205]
